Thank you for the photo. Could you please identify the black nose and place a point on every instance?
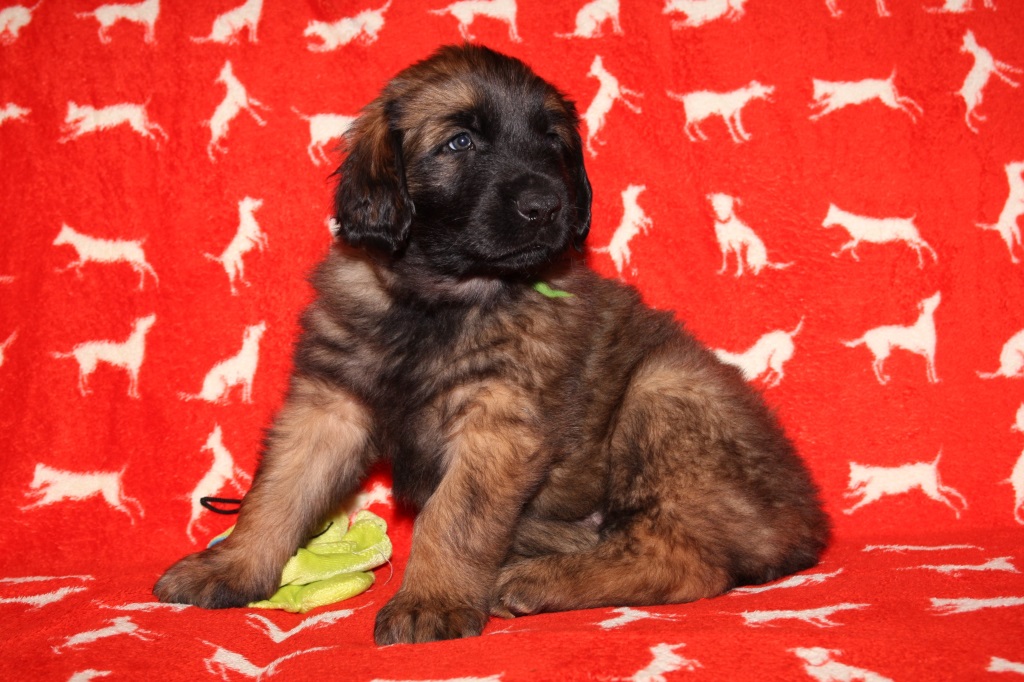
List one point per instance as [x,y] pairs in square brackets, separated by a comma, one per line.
[538,206]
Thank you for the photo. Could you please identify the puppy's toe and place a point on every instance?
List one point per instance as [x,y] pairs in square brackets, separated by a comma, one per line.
[211,580]
[410,619]
[519,592]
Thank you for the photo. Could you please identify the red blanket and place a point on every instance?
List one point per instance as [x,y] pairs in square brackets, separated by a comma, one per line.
[826,191]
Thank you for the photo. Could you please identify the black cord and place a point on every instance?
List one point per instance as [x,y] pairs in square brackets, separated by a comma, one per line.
[210,502]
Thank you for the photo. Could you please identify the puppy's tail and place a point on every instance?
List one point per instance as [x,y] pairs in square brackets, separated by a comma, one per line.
[854,343]
[215,259]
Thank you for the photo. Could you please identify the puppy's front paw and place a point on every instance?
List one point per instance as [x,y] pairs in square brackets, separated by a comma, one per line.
[211,579]
[410,619]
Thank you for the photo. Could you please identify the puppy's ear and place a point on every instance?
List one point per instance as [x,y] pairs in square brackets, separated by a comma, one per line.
[583,193]
[372,203]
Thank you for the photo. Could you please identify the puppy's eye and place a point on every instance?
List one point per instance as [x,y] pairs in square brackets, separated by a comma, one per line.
[460,142]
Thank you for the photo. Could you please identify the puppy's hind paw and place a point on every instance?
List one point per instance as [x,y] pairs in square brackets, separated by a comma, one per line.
[518,592]
[408,619]
[210,580]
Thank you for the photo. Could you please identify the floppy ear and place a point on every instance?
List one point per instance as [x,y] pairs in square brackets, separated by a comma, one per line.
[372,203]
[583,193]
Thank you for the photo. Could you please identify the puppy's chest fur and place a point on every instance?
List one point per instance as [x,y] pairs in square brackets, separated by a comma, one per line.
[421,368]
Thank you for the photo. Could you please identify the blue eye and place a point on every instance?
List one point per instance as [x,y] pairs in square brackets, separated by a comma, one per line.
[460,142]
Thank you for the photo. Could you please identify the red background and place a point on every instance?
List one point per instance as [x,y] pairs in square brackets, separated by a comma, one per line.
[868,159]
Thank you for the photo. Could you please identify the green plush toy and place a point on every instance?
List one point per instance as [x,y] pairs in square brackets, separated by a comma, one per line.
[333,566]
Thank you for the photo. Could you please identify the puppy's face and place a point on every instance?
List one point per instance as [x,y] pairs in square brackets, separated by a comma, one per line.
[468,164]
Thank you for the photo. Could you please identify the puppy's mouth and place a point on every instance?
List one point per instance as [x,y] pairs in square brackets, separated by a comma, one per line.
[525,259]
[530,253]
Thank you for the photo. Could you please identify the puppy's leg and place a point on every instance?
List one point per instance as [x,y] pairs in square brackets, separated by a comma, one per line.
[317,452]
[536,537]
[639,565]
[704,493]
[464,530]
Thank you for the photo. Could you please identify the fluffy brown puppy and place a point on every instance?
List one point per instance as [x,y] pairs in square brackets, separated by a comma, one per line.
[569,450]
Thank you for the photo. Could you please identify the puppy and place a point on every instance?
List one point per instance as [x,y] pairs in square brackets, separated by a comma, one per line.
[567,447]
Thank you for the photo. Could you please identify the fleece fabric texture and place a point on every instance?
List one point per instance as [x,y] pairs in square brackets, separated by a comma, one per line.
[828,192]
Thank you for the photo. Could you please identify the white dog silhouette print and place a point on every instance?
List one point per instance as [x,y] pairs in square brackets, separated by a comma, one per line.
[766,358]
[948,607]
[802,580]
[869,484]
[634,223]
[364,27]
[364,499]
[985,66]
[665,660]
[323,130]
[821,664]
[145,13]
[831,96]
[271,631]
[121,626]
[736,238]
[50,486]
[1016,480]
[223,472]
[1011,359]
[1007,223]
[6,345]
[247,237]
[12,112]
[819,617]
[959,6]
[701,105]
[592,18]
[833,8]
[38,601]
[466,11]
[609,92]
[127,355]
[238,370]
[104,251]
[1002,665]
[700,12]
[236,100]
[877,231]
[223,660]
[227,27]
[83,120]
[13,19]
[1003,564]
[918,338]
[627,615]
